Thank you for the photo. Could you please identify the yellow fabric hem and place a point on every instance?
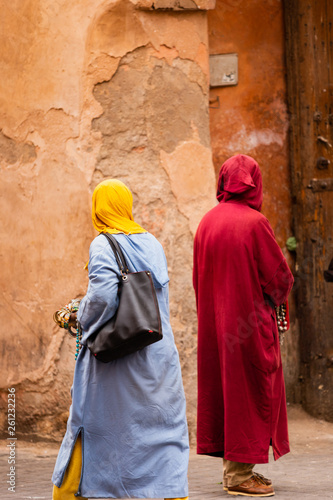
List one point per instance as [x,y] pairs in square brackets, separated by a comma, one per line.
[71,481]
[183,498]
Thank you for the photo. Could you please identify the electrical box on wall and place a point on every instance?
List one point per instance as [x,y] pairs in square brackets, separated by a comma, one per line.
[223,70]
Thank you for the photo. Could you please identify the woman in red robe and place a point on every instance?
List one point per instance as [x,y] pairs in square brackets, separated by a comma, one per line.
[239,276]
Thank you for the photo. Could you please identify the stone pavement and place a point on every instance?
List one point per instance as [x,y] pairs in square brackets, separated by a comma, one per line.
[305,473]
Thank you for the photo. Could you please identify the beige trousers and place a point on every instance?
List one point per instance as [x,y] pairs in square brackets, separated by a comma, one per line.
[72,477]
[235,473]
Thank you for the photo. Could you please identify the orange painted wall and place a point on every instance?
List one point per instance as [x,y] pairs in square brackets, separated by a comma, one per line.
[252,118]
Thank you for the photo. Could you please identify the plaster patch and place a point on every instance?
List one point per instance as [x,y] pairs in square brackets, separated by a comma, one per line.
[193,71]
[167,53]
[192,179]
[12,152]
[102,68]
[185,35]
[147,102]
[118,31]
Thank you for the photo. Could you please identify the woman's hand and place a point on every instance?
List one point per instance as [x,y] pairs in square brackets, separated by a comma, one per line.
[72,319]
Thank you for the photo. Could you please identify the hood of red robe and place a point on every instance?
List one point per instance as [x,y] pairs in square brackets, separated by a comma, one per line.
[240,181]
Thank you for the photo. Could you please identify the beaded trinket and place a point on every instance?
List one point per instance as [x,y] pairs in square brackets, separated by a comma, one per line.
[62,316]
[282,322]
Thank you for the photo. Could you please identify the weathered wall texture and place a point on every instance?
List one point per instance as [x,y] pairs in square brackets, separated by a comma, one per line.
[175,4]
[252,119]
[88,90]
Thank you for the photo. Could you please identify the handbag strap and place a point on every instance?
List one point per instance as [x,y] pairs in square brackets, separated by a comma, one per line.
[120,258]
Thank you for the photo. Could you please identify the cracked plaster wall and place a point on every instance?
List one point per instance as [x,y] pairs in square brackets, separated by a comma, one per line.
[93,90]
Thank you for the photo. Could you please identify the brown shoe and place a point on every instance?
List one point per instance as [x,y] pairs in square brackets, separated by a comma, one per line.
[263,478]
[253,487]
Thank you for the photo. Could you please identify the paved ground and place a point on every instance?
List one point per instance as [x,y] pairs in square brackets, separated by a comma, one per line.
[305,473]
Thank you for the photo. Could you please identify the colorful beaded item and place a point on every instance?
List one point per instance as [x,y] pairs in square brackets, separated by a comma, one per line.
[282,320]
[61,317]
[78,339]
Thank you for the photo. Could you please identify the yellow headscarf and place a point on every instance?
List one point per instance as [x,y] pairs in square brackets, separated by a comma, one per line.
[112,208]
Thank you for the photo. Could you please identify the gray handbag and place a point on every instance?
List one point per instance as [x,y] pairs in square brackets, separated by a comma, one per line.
[136,323]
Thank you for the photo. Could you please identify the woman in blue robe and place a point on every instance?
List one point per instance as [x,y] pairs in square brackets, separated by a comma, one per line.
[127,433]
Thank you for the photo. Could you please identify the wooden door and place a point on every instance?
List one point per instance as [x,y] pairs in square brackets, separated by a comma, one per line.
[309,49]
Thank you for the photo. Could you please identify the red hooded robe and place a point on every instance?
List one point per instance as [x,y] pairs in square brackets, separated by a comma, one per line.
[239,275]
